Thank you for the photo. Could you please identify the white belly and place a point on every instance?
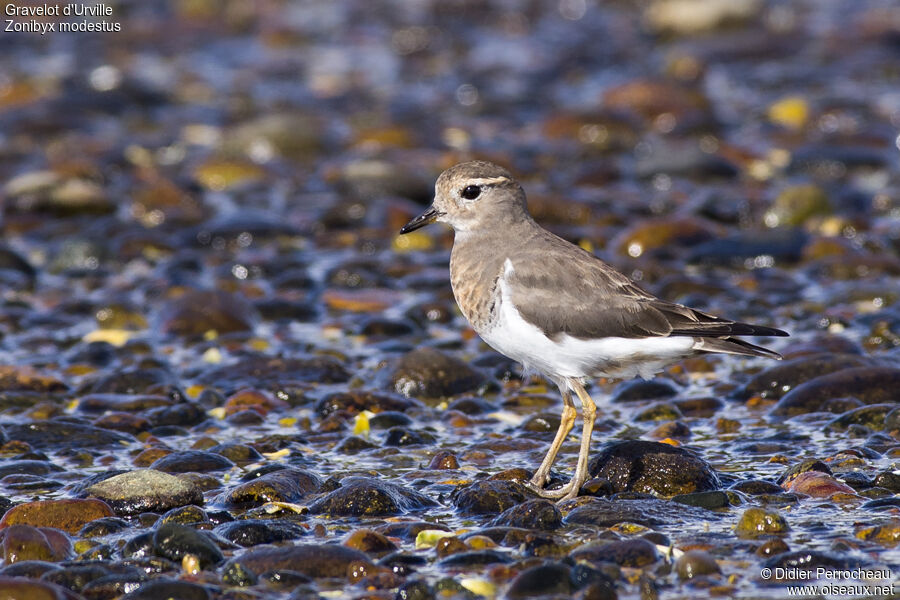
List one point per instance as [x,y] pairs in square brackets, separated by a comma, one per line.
[518,339]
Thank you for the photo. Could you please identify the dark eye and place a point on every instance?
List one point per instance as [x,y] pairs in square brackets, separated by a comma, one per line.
[470,192]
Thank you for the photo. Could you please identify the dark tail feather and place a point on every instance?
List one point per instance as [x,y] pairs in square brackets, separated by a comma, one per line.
[730,345]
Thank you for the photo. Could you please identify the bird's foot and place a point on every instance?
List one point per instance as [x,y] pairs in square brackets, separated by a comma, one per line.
[564,493]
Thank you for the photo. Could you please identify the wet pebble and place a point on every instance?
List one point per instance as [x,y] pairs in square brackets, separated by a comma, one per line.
[70,515]
[252,532]
[870,385]
[430,373]
[145,490]
[365,496]
[537,514]
[354,402]
[550,579]
[489,497]
[192,461]
[633,553]
[649,512]
[696,563]
[640,389]
[162,589]
[26,542]
[757,522]
[780,379]
[18,588]
[63,434]
[311,560]
[284,485]
[174,541]
[371,542]
[196,312]
[640,466]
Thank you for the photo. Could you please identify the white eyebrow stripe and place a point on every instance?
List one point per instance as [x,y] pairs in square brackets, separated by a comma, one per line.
[487,180]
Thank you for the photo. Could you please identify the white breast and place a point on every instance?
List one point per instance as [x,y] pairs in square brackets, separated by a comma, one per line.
[518,339]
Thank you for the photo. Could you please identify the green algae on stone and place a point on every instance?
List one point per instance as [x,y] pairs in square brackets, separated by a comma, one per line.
[757,522]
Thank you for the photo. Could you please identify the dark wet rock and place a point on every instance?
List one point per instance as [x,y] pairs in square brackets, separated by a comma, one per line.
[76,577]
[379,327]
[139,546]
[285,485]
[353,445]
[354,402]
[159,589]
[401,436]
[699,407]
[389,419]
[639,389]
[59,435]
[872,417]
[142,381]
[780,379]
[475,559]
[417,589]
[782,245]
[757,522]
[709,500]
[541,423]
[198,311]
[280,310]
[471,406]
[443,460]
[107,402]
[653,467]
[274,373]
[28,467]
[174,541]
[403,564]
[696,563]
[311,560]
[237,453]
[532,514]
[365,496]
[183,414]
[772,547]
[252,532]
[810,464]
[185,515]
[103,526]
[543,580]
[19,588]
[888,480]
[633,553]
[70,515]
[192,461]
[429,373]
[489,497]
[650,512]
[370,542]
[25,542]
[662,411]
[23,378]
[145,490]
[449,545]
[754,487]
[870,385]
[597,487]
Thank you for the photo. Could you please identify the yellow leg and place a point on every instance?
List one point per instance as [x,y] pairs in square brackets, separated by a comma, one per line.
[566,422]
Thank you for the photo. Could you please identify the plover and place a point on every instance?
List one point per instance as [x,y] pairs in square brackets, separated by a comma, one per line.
[558,309]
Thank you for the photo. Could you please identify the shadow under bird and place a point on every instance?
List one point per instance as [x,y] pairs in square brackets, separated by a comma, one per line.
[557,308]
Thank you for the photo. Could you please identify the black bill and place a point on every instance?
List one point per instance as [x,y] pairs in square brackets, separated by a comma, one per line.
[426,218]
